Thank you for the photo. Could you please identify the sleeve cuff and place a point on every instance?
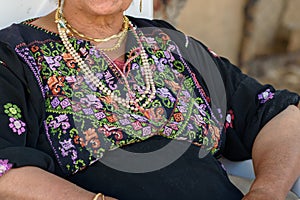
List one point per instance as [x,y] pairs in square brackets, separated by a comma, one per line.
[14,157]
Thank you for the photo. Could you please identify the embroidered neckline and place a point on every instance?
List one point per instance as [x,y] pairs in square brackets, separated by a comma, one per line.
[88,111]
[29,24]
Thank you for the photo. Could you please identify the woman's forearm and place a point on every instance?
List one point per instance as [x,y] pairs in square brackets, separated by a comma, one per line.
[35,184]
[276,154]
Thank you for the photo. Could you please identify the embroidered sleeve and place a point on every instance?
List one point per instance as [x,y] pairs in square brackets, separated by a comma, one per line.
[250,106]
[15,122]
[20,116]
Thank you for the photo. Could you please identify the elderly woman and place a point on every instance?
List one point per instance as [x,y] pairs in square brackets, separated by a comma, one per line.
[98,105]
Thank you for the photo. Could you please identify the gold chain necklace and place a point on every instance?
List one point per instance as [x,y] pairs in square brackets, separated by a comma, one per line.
[131,104]
[118,35]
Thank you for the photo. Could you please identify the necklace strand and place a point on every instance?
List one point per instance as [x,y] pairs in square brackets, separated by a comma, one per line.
[118,35]
[71,30]
[131,104]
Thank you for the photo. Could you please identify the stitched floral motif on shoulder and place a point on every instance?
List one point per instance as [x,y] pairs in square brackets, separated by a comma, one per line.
[265,96]
[14,114]
[229,119]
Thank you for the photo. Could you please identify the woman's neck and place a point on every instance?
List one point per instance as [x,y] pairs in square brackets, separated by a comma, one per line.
[92,25]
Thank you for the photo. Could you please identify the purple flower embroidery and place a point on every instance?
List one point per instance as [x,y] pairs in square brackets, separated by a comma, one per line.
[4,166]
[65,103]
[167,131]
[55,102]
[164,92]
[124,122]
[265,96]
[67,144]
[88,111]
[66,147]
[17,125]
[100,115]
[53,61]
[61,120]
[147,131]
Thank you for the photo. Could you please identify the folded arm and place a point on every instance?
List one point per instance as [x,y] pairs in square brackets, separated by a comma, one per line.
[34,184]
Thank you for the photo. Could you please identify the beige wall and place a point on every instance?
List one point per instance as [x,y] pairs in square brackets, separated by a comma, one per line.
[217,23]
[270,51]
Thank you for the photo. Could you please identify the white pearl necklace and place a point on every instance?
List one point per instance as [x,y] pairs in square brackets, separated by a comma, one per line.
[131,104]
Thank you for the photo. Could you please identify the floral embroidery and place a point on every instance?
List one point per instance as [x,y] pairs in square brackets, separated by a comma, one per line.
[91,138]
[4,166]
[216,136]
[229,119]
[12,110]
[265,96]
[55,83]
[67,147]
[17,125]
[82,123]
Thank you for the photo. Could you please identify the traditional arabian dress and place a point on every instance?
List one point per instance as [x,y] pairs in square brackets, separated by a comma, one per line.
[54,118]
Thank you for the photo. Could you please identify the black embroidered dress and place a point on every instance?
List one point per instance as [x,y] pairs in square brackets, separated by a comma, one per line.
[54,118]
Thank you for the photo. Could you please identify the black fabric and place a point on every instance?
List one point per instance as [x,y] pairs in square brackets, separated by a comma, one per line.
[17,83]
[187,178]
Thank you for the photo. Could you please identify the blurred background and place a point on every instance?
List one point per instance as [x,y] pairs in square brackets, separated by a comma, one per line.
[262,37]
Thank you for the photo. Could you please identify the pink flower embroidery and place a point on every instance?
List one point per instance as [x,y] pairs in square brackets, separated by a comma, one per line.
[17,125]
[229,119]
[4,166]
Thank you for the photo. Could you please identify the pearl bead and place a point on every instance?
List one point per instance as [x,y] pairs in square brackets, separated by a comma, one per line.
[63,30]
